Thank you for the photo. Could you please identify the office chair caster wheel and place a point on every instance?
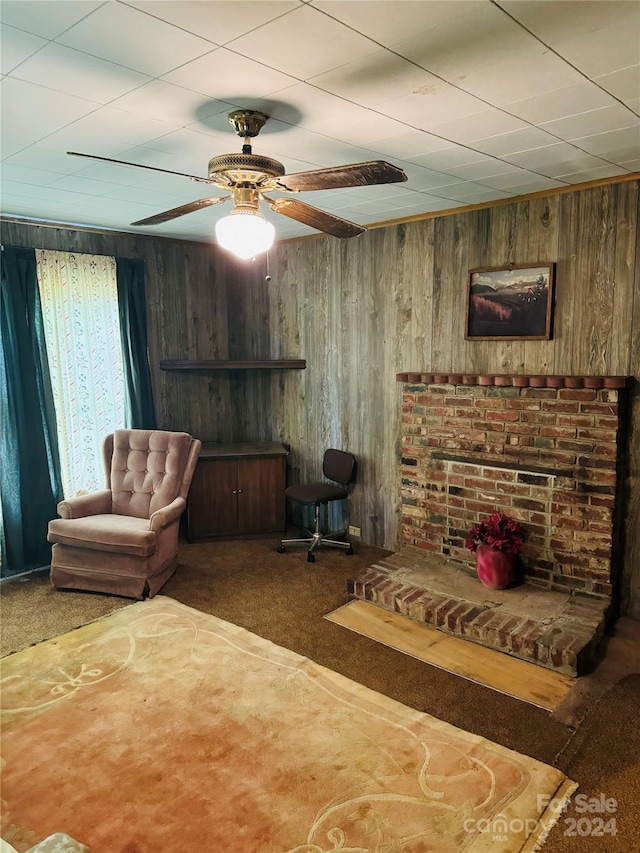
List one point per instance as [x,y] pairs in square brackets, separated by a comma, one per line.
[349,551]
[311,558]
[280,549]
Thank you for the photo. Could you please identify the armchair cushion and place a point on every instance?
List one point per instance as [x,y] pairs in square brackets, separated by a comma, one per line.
[120,534]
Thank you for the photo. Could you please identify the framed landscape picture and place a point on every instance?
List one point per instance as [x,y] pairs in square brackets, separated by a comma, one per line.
[513,303]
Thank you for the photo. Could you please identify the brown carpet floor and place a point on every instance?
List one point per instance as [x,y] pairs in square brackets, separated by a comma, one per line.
[283,598]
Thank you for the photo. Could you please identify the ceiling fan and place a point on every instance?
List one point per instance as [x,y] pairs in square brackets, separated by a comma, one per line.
[248,176]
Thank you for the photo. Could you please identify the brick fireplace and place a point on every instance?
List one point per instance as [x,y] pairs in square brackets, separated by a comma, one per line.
[548,451]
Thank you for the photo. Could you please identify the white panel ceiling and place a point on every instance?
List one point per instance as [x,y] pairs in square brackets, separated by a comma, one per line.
[475,100]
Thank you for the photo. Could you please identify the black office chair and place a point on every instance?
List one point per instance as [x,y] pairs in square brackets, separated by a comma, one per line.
[339,467]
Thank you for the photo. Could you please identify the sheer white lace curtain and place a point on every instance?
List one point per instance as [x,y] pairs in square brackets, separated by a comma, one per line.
[79,300]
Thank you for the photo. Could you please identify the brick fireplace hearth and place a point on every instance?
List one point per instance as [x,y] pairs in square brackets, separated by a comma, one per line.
[548,451]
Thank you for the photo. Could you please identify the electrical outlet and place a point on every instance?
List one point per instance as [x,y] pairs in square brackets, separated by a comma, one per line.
[354,531]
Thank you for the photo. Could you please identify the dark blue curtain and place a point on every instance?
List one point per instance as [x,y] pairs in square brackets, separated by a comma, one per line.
[140,412]
[30,484]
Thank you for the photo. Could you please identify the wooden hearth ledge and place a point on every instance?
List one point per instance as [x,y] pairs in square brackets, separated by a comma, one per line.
[547,627]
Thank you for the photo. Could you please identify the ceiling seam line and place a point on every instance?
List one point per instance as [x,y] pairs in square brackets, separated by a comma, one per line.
[562,58]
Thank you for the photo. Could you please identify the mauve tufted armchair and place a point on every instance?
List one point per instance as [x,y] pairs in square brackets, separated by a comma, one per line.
[124,539]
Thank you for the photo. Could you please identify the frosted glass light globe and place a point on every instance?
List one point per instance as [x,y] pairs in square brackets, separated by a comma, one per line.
[245,232]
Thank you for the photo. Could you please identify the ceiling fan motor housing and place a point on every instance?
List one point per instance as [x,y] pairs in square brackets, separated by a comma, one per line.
[238,168]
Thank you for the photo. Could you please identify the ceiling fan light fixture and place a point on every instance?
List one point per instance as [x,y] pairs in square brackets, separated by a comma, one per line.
[245,232]
[246,177]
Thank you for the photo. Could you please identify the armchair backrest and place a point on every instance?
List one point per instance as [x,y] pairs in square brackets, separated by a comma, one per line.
[147,469]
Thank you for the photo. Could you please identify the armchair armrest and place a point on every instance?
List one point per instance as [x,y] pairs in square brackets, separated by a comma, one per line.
[95,503]
[165,515]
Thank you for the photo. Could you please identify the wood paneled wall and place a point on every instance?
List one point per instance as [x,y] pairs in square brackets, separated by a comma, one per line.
[360,311]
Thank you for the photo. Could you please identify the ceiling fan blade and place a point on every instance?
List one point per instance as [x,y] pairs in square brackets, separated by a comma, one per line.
[319,219]
[353,175]
[139,166]
[175,212]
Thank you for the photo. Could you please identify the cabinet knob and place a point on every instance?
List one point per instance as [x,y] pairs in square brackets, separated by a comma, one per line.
[234,492]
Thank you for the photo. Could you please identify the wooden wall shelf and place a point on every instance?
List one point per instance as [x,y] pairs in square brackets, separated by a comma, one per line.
[256,364]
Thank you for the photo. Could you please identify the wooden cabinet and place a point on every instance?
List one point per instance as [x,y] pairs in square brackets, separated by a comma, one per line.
[237,490]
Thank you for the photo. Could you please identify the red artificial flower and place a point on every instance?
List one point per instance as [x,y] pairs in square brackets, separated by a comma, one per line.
[499,532]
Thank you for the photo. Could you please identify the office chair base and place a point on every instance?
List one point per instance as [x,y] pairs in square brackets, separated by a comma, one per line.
[315,540]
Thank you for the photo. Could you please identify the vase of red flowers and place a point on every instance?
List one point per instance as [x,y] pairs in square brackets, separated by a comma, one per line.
[496,541]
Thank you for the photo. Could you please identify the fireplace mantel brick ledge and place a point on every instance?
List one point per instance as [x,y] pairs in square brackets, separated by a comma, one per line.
[547,450]
[516,381]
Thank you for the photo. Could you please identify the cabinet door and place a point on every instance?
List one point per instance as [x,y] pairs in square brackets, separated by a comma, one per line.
[212,505]
[261,506]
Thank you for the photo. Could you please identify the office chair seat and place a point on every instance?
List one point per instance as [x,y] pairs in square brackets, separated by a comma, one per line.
[311,493]
[339,467]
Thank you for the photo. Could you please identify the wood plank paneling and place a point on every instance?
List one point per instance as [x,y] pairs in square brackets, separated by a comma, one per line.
[543,245]
[450,259]
[594,271]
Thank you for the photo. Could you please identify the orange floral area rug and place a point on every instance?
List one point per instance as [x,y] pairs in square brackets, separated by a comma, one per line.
[160,729]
